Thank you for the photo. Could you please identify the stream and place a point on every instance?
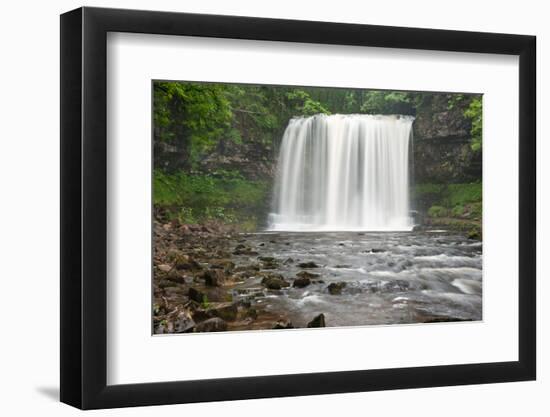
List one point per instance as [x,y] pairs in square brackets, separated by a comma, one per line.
[390,277]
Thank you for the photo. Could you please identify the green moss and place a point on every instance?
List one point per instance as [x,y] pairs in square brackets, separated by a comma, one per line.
[437,211]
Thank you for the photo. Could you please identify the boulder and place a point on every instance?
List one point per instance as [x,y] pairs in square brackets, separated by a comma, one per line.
[307,274]
[309,264]
[274,282]
[212,325]
[188,264]
[318,321]
[196,295]
[335,288]
[474,234]
[225,311]
[224,264]
[247,268]
[244,250]
[164,268]
[301,282]
[267,258]
[183,323]
[214,277]
[283,324]
[377,250]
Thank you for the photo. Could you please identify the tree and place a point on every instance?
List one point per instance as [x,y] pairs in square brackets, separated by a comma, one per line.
[188,118]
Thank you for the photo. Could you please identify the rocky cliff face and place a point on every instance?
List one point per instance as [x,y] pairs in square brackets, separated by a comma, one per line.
[442,151]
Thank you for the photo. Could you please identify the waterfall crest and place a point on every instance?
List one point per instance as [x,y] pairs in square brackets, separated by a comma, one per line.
[343,172]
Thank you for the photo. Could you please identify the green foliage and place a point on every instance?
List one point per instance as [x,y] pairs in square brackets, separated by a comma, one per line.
[456,200]
[475,113]
[454,100]
[304,104]
[224,196]
[205,303]
[450,195]
[387,102]
[472,111]
[457,211]
[475,210]
[190,116]
[422,190]
[437,211]
[462,194]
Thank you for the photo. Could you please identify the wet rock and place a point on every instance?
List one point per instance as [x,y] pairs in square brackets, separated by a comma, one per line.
[274,282]
[164,268]
[266,258]
[225,264]
[288,261]
[309,264]
[174,254]
[244,250]
[283,324]
[252,313]
[343,266]
[301,282]
[189,264]
[225,311]
[474,234]
[176,278]
[335,288]
[399,285]
[318,321]
[217,294]
[247,268]
[196,295]
[269,265]
[376,250]
[214,277]
[307,274]
[212,325]
[166,283]
[184,322]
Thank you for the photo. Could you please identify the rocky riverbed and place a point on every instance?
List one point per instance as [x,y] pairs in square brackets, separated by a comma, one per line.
[212,278]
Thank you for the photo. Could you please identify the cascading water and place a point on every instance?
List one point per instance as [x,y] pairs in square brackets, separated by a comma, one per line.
[343,172]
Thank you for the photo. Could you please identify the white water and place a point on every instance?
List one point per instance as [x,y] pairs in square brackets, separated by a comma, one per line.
[343,172]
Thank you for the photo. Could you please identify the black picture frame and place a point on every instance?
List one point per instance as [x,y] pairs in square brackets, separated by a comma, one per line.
[84,207]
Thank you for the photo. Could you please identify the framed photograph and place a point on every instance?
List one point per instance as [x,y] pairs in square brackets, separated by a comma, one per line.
[257,208]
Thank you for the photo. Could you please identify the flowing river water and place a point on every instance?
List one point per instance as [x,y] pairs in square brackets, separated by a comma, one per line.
[390,277]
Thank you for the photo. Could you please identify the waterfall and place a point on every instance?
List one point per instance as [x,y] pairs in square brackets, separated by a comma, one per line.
[343,172]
